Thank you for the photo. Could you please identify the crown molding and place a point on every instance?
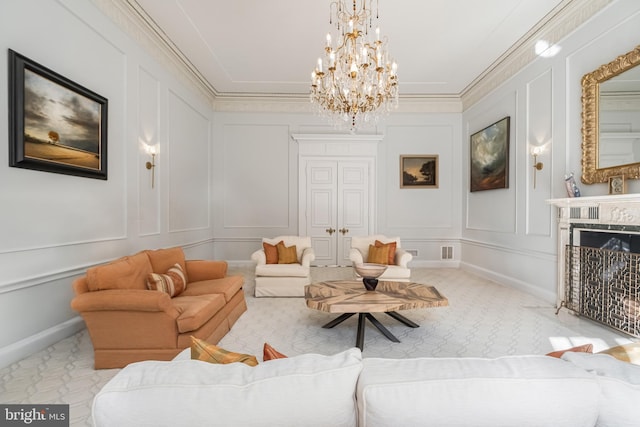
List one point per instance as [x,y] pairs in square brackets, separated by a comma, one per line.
[561,21]
[300,104]
[129,16]
[270,103]
[133,20]
[430,104]
[336,137]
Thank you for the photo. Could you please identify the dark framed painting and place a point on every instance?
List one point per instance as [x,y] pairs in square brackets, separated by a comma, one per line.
[419,171]
[489,157]
[55,125]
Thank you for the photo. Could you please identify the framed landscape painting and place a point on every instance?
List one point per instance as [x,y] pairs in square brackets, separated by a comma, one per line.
[419,171]
[489,157]
[55,125]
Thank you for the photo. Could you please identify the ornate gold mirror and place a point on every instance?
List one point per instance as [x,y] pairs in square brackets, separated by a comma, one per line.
[611,120]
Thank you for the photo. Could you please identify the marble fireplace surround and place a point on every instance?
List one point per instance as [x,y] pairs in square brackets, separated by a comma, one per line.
[614,213]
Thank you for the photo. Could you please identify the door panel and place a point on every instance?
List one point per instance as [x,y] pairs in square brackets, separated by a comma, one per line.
[353,205]
[336,197]
[324,249]
[321,210]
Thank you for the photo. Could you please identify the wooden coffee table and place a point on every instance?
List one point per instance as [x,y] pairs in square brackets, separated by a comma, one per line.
[349,297]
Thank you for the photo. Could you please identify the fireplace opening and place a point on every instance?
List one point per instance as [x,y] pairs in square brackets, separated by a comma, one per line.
[613,241]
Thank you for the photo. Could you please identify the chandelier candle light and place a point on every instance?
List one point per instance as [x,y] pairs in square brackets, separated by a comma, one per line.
[357,81]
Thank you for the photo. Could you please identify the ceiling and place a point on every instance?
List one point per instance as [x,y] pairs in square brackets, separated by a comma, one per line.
[270,47]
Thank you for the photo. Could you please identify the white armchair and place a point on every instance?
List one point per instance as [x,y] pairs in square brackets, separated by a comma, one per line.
[398,271]
[284,280]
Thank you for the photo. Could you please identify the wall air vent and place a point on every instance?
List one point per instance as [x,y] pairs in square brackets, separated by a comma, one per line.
[446,252]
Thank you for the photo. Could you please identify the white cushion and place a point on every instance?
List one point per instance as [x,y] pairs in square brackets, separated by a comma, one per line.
[395,272]
[307,390]
[508,391]
[280,286]
[620,384]
[184,354]
[283,270]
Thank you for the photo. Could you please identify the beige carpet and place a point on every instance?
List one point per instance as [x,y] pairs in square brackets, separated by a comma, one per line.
[483,319]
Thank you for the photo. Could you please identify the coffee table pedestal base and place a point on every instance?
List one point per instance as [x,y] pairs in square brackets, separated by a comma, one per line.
[361,321]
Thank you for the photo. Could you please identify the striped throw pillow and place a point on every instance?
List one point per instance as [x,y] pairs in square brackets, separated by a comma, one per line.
[172,282]
[202,350]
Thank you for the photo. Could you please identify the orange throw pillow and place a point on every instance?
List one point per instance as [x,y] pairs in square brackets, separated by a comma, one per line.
[287,255]
[392,250]
[271,251]
[378,254]
[586,348]
[270,353]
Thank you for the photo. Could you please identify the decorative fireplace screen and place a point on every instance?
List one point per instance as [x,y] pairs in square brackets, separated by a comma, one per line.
[604,285]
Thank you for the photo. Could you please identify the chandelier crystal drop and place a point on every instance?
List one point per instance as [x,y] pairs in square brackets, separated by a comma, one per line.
[356,82]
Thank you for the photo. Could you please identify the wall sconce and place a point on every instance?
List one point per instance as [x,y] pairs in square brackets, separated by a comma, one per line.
[537,166]
[152,164]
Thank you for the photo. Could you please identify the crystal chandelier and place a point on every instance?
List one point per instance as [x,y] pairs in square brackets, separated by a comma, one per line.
[356,82]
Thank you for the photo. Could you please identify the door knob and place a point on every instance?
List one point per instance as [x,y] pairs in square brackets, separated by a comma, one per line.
[344,230]
[330,231]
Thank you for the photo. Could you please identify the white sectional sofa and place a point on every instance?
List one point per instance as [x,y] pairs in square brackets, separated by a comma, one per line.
[345,390]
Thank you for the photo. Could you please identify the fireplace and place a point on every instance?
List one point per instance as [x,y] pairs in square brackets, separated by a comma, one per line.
[599,259]
[602,280]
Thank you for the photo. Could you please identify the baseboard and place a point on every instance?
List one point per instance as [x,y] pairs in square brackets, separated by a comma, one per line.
[240,263]
[550,297]
[413,263]
[27,346]
[434,264]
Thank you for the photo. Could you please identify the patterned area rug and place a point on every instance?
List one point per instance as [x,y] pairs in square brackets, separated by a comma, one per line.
[483,319]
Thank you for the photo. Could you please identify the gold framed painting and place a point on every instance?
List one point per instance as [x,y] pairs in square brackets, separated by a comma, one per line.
[419,171]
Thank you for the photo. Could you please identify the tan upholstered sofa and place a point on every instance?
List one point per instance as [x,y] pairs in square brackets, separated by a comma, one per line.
[127,322]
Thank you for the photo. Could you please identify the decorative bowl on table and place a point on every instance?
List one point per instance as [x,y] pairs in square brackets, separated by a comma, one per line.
[370,273]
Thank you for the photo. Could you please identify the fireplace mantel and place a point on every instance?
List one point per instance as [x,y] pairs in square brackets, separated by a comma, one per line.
[616,210]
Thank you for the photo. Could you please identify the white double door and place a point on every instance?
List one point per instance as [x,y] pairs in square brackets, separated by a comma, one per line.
[336,201]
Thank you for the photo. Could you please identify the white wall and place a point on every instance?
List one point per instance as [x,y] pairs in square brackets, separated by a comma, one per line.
[425,219]
[509,235]
[256,171]
[53,226]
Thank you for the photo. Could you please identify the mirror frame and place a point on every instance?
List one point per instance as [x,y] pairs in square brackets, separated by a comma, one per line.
[590,120]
